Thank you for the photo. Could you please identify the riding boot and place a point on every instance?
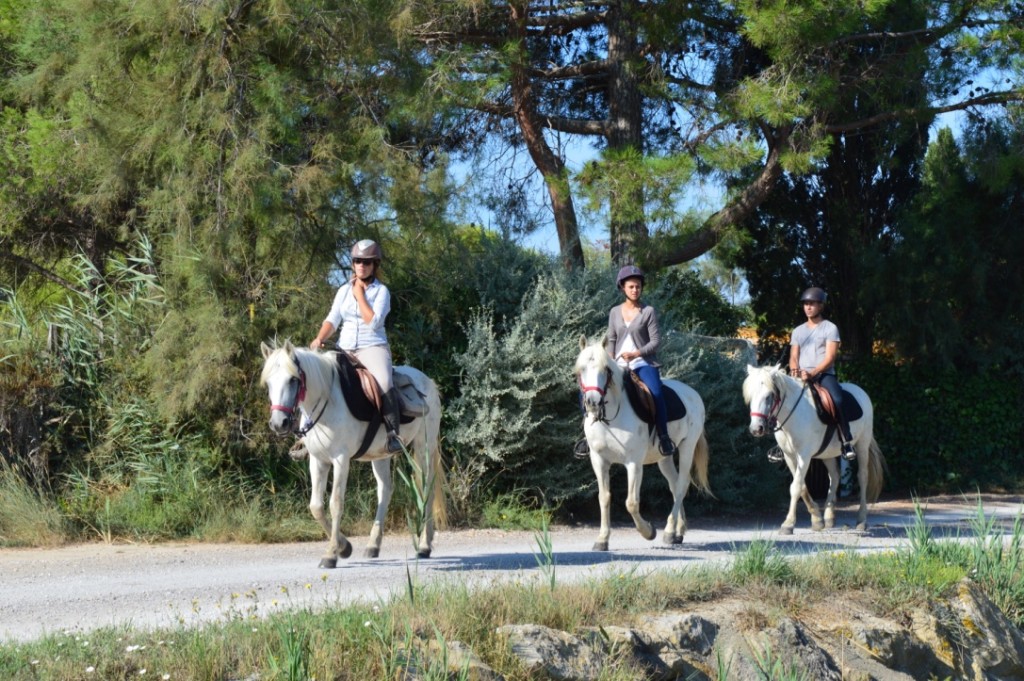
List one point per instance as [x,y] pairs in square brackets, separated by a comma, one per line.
[844,430]
[391,412]
[665,444]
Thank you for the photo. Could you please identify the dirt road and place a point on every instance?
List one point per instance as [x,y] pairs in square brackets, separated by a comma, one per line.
[82,587]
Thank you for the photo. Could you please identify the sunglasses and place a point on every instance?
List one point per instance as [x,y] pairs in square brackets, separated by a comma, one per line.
[362,261]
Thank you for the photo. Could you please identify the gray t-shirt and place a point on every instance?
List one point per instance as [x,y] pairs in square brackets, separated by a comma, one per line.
[812,343]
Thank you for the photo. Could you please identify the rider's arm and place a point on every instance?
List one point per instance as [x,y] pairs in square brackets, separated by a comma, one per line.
[326,329]
[794,360]
[831,350]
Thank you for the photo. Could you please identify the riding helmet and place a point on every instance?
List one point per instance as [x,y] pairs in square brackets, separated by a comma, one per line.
[367,248]
[628,272]
[814,295]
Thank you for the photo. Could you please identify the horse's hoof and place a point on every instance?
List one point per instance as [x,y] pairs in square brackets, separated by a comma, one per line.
[600,546]
[371,552]
[861,527]
[652,536]
[785,530]
[423,553]
[668,538]
[677,539]
[328,563]
[346,551]
[817,526]
[830,524]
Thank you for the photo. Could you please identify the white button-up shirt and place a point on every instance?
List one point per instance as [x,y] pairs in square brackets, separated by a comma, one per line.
[344,314]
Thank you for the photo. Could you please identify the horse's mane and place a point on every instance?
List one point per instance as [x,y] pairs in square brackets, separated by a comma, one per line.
[767,377]
[318,367]
[596,353]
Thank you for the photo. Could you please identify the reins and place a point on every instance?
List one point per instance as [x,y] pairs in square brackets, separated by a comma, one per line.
[601,418]
[298,400]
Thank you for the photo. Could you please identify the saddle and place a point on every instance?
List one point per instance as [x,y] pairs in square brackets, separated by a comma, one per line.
[826,409]
[362,395]
[642,401]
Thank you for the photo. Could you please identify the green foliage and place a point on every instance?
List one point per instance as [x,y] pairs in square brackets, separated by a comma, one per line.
[942,430]
[28,516]
[761,560]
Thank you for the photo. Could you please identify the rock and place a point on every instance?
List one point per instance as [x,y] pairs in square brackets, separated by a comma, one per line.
[553,654]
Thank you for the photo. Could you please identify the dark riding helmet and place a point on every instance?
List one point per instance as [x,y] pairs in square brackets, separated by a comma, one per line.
[628,272]
[814,295]
[367,248]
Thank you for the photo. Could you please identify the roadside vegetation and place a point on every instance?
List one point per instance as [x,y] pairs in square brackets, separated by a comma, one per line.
[375,640]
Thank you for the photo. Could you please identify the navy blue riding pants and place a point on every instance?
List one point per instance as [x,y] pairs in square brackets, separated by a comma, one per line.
[652,379]
[831,384]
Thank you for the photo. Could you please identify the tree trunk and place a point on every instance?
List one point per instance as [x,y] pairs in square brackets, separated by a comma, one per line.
[627,228]
[550,164]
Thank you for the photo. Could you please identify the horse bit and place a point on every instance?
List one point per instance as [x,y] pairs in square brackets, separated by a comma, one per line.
[300,395]
[770,419]
[601,418]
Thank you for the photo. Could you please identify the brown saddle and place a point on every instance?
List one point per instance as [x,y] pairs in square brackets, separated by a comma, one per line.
[824,404]
[370,386]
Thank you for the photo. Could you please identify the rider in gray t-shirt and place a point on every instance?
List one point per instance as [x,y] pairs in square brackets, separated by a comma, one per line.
[812,357]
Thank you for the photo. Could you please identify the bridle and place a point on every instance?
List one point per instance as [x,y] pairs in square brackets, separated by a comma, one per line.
[775,406]
[602,392]
[300,394]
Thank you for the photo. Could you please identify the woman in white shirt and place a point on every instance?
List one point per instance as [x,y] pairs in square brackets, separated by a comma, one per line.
[359,310]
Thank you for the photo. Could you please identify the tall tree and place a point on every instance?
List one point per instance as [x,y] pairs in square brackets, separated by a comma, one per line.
[832,225]
[742,91]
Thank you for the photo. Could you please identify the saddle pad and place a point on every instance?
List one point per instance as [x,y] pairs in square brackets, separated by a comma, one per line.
[674,406]
[851,407]
[359,404]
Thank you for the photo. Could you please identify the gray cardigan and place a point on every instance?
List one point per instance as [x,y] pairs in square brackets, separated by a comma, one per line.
[644,330]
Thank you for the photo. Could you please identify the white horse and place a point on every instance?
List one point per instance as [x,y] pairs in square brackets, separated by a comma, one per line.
[616,434]
[301,380]
[781,404]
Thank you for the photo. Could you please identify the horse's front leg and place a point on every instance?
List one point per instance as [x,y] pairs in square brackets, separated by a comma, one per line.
[797,490]
[635,476]
[318,482]
[604,499]
[678,481]
[338,546]
[385,486]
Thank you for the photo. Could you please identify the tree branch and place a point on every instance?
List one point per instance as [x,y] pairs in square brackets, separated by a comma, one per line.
[989,99]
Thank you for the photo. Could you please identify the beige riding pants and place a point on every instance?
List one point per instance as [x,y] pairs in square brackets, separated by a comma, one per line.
[377,359]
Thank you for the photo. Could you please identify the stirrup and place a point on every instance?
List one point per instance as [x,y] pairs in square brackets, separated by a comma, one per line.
[666,446]
[581,450]
[776,455]
[848,452]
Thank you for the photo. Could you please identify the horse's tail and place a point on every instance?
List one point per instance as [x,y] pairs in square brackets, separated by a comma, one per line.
[876,472]
[699,467]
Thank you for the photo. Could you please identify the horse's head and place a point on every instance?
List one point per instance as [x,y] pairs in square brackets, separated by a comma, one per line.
[763,391]
[286,383]
[595,372]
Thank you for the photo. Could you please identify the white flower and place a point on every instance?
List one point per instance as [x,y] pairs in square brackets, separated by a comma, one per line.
[90,670]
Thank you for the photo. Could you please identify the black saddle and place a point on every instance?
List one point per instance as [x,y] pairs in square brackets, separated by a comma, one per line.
[851,407]
[826,412]
[642,401]
[362,406]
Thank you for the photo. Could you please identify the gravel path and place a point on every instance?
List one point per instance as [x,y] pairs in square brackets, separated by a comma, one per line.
[82,587]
